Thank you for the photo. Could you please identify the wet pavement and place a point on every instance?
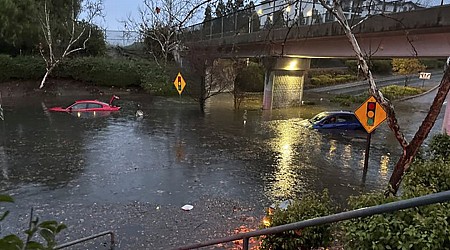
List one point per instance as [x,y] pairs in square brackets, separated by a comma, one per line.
[133,174]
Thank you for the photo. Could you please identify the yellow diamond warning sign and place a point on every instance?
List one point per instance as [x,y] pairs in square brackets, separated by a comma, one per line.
[179,83]
[370,114]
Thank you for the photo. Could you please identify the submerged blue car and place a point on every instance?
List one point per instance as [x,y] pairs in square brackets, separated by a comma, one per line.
[345,120]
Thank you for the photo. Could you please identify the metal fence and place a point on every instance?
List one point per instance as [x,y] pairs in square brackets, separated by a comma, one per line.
[121,37]
[282,14]
[95,236]
[363,212]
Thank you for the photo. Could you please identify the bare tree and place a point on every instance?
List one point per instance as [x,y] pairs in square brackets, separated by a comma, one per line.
[160,24]
[409,149]
[74,30]
[201,67]
[222,78]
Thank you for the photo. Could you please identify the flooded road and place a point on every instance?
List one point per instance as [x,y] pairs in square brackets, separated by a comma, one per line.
[91,171]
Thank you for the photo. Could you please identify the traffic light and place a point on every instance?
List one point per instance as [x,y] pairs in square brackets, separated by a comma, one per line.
[370,113]
[179,83]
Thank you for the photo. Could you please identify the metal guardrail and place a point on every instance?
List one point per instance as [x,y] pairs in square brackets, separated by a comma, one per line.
[75,242]
[363,212]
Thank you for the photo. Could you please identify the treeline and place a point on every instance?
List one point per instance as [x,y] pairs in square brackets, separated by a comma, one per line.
[21,31]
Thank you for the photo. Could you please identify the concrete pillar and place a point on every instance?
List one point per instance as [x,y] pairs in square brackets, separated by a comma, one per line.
[283,82]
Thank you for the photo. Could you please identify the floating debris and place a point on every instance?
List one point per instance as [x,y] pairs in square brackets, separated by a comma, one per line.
[187,207]
[139,113]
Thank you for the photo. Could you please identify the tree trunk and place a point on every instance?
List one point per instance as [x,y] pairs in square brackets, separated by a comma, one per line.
[46,75]
[202,97]
[413,147]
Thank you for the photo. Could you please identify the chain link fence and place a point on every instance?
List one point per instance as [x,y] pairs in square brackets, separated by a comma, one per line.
[121,38]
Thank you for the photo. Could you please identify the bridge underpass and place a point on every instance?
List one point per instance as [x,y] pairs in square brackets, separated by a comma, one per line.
[286,52]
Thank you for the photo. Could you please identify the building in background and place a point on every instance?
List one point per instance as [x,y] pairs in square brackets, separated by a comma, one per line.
[282,13]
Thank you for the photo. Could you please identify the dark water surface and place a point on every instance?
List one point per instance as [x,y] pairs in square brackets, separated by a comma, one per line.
[174,155]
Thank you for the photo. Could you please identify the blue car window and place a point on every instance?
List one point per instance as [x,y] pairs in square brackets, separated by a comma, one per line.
[318,117]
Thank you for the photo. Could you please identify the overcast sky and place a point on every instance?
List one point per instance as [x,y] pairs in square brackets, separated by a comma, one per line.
[117,10]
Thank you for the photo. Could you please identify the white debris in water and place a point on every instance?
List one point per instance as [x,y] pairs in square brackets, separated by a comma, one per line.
[187,207]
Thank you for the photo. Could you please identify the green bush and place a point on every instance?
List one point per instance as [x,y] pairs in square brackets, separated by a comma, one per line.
[100,71]
[347,100]
[381,66]
[424,227]
[156,81]
[46,230]
[21,68]
[440,147]
[329,79]
[308,207]
[251,78]
[336,71]
[393,92]
[376,66]
[433,64]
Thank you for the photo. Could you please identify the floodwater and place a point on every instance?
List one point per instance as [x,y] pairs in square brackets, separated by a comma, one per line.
[174,155]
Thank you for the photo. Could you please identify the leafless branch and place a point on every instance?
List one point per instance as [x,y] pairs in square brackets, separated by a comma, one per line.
[92,9]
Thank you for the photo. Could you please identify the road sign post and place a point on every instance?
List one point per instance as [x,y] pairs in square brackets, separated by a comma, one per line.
[370,114]
[424,76]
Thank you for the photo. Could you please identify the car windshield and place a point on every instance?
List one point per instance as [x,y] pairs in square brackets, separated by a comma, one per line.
[318,117]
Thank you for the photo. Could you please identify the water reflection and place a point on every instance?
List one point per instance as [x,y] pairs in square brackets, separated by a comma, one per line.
[4,163]
[175,153]
[285,173]
[384,164]
[90,115]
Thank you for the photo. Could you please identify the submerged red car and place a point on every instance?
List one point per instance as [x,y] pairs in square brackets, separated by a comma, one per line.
[88,106]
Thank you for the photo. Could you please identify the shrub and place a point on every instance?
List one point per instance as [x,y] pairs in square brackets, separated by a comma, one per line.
[440,147]
[329,79]
[251,78]
[101,71]
[381,66]
[310,206]
[376,66]
[407,66]
[433,64]
[155,80]
[393,92]
[347,100]
[352,65]
[424,227]
[21,68]
[48,230]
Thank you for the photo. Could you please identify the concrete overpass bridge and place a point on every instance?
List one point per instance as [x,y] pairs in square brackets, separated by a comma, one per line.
[286,51]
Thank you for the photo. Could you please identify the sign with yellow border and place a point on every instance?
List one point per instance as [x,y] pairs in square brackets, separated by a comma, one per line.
[179,83]
[371,114]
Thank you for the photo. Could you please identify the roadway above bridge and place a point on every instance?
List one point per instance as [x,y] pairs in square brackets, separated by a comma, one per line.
[422,33]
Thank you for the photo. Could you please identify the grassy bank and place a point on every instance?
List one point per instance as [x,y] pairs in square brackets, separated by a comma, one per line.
[392,92]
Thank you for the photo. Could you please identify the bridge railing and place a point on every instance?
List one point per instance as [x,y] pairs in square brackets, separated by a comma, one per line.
[280,14]
[363,212]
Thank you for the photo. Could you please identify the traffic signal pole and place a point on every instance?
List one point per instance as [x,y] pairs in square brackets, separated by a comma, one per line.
[370,114]
[366,156]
